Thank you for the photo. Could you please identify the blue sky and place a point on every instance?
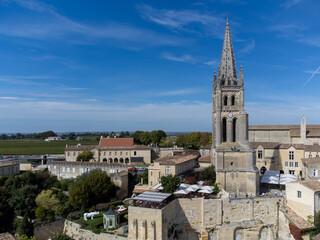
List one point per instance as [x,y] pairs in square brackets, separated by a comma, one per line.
[143,65]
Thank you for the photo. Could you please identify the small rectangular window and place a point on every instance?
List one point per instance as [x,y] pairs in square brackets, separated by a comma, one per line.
[299,194]
[68,170]
[115,153]
[73,170]
[314,172]
[286,164]
[63,169]
[296,164]
[109,153]
[259,154]
[135,153]
[120,153]
[168,170]
[291,164]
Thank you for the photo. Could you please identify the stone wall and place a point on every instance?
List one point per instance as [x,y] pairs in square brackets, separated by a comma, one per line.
[74,230]
[199,218]
[48,230]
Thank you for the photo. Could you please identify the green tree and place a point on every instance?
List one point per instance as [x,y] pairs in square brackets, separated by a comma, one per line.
[6,212]
[48,134]
[23,200]
[205,138]
[182,140]
[209,174]
[157,136]
[143,176]
[79,194]
[90,189]
[25,237]
[137,137]
[44,214]
[24,226]
[46,199]
[170,183]
[194,139]
[61,236]
[85,156]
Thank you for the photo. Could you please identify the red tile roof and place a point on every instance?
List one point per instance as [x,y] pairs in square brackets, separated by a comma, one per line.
[116,142]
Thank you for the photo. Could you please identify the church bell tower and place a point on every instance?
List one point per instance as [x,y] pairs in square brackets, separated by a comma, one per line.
[232,153]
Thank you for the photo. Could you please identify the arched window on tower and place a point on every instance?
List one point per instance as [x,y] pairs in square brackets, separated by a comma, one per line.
[225,100]
[224,130]
[234,130]
[233,100]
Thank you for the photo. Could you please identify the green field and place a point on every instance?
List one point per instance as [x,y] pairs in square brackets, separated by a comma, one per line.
[32,147]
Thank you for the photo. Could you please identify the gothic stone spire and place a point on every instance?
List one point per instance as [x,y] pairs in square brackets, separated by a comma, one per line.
[227,68]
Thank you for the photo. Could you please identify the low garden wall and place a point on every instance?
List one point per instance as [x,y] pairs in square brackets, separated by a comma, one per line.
[74,230]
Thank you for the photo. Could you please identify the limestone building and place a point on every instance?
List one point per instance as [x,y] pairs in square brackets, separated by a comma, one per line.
[117,172]
[9,168]
[112,150]
[233,155]
[302,134]
[174,165]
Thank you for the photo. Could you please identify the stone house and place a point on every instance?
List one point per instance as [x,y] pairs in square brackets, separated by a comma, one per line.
[303,197]
[303,133]
[174,165]
[8,168]
[311,168]
[112,150]
[117,172]
[205,150]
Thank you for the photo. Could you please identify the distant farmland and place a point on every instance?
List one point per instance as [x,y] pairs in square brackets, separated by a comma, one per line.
[33,147]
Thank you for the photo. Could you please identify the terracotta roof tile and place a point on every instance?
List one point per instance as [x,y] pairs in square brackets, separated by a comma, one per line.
[92,147]
[177,159]
[84,163]
[282,127]
[265,145]
[205,159]
[312,184]
[300,222]
[307,161]
[312,148]
[295,145]
[116,142]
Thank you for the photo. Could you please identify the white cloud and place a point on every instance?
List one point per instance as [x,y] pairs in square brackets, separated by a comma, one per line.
[186,58]
[248,48]
[52,25]
[187,91]
[66,88]
[9,98]
[184,20]
[317,71]
[290,3]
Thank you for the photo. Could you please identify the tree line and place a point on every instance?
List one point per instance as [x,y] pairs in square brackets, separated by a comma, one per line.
[194,139]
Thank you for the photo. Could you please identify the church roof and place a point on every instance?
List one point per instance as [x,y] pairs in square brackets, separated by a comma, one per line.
[227,66]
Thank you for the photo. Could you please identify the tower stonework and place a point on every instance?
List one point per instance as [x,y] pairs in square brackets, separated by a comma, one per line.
[232,154]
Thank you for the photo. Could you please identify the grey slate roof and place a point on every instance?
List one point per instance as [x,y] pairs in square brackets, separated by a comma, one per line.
[111,212]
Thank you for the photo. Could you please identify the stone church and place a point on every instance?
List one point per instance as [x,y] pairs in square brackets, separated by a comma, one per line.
[246,216]
[232,153]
